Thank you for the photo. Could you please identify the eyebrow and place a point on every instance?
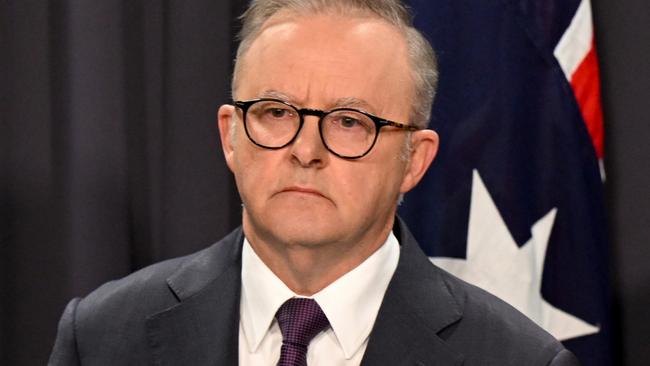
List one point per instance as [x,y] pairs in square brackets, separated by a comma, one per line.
[272,93]
[351,102]
[345,102]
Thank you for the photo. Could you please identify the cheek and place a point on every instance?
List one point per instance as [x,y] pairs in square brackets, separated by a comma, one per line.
[369,189]
[387,179]
[252,173]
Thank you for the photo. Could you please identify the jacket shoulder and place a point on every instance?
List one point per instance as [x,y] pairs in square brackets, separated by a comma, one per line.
[491,330]
[112,319]
[143,290]
[160,285]
[482,328]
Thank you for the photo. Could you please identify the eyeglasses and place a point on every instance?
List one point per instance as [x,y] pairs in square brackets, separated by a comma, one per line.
[346,132]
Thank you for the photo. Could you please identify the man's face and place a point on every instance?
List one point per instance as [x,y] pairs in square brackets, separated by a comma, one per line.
[302,194]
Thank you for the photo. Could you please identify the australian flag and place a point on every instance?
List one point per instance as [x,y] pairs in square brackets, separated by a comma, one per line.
[514,200]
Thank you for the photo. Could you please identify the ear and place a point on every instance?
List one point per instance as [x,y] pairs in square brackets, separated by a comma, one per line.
[424,145]
[225,117]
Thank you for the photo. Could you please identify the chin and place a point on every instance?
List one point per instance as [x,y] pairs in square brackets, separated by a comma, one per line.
[305,228]
[296,219]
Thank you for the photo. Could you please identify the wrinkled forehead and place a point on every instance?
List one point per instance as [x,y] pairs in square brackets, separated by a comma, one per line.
[364,52]
[278,27]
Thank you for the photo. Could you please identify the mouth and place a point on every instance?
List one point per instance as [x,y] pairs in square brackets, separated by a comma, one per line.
[302,190]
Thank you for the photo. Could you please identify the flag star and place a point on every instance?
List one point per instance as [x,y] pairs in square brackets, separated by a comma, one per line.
[495,263]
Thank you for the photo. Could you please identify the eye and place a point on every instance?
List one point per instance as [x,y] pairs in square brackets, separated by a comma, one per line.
[273,111]
[278,112]
[349,122]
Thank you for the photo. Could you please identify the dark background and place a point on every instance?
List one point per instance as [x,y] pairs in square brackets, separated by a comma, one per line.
[110,157]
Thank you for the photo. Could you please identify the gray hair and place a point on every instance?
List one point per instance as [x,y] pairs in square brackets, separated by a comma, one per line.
[424,70]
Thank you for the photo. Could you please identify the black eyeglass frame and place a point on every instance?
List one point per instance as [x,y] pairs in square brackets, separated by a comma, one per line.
[302,112]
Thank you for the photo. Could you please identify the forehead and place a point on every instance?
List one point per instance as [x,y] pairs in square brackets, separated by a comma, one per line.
[318,59]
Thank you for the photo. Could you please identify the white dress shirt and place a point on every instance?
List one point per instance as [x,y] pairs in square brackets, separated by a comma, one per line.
[351,304]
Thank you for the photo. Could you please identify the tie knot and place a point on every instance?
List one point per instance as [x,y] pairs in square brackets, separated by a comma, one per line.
[300,320]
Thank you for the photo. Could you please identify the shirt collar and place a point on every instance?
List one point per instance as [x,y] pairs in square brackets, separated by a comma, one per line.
[351,303]
[262,295]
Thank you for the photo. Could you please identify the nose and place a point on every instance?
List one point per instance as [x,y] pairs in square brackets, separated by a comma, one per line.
[307,149]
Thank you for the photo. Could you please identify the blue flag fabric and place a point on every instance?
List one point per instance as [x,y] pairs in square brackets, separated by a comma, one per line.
[506,114]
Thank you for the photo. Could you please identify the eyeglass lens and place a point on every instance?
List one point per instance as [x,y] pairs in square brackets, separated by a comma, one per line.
[345,132]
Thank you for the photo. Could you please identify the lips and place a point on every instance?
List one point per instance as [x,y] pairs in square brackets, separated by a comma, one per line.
[303,190]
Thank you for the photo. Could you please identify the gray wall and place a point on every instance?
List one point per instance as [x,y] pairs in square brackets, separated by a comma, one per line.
[623,41]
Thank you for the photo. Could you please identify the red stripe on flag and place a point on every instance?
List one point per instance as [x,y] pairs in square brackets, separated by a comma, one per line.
[586,87]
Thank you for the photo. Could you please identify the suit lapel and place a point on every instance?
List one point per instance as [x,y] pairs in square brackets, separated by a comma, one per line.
[203,328]
[417,307]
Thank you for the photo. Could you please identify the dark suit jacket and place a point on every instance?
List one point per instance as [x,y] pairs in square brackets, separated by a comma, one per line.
[185,311]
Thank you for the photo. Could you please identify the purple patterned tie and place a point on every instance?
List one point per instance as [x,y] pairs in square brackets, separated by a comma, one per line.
[300,320]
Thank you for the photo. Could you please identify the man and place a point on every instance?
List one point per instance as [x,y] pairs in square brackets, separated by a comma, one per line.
[325,135]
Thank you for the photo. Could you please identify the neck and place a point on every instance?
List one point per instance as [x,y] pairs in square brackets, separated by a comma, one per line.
[307,269]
